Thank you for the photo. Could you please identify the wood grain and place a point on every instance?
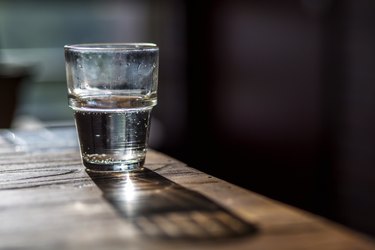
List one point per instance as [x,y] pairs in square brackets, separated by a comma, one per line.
[49,201]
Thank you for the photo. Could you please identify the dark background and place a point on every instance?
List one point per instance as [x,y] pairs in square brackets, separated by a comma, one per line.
[274,96]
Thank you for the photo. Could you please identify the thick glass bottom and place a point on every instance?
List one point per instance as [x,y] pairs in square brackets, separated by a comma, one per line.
[114,167]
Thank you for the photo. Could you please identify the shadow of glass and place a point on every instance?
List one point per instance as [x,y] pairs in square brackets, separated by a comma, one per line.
[160,208]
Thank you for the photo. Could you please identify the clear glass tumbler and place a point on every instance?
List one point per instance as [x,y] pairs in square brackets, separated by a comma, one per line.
[112,89]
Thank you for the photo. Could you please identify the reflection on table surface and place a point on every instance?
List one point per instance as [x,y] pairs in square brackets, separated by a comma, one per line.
[163,209]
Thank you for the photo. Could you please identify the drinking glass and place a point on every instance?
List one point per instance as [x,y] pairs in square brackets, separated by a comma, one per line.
[112,89]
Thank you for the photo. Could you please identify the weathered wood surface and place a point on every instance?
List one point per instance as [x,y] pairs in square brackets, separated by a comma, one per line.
[48,201]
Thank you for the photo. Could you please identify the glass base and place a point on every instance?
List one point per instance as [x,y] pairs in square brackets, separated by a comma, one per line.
[115,167]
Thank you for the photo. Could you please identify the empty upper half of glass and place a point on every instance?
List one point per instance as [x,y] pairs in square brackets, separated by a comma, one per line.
[121,75]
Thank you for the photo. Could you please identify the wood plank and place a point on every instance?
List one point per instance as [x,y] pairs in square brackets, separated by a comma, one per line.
[48,201]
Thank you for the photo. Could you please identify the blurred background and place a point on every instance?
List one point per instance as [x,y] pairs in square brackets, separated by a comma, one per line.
[275,96]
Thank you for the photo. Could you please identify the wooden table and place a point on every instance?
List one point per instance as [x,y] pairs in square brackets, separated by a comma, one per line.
[48,201]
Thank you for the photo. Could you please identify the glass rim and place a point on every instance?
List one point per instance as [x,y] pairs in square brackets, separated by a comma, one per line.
[110,46]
